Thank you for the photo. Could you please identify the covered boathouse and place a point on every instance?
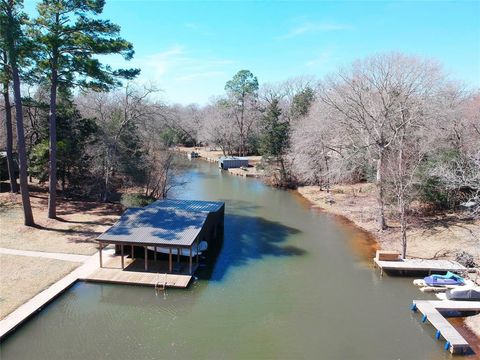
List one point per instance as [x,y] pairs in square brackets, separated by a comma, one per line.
[172,227]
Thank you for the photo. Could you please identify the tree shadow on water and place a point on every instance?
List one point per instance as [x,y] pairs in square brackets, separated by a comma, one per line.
[248,239]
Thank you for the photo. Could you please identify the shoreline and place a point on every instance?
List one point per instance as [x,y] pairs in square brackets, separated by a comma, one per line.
[349,205]
[429,236]
[355,205]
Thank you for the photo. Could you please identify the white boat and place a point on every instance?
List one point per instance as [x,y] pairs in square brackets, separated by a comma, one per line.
[183,251]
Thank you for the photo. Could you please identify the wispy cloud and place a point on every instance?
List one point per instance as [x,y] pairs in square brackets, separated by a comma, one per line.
[179,63]
[308,27]
[185,74]
[323,58]
[158,64]
[200,75]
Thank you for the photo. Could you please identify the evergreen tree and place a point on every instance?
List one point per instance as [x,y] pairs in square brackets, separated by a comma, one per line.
[274,140]
[275,132]
[5,79]
[75,134]
[69,37]
[302,102]
[13,42]
[242,91]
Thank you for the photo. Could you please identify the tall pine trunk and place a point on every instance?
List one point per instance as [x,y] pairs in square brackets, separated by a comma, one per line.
[22,153]
[52,170]
[9,135]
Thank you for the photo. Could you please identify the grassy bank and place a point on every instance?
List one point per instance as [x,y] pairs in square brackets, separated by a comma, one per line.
[73,232]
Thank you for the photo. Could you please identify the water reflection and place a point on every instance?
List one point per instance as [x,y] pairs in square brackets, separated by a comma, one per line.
[248,239]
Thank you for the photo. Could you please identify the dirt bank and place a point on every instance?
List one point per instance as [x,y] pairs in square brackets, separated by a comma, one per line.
[473,323]
[74,231]
[429,236]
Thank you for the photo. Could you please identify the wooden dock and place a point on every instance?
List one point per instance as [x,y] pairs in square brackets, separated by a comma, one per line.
[431,311]
[135,274]
[419,265]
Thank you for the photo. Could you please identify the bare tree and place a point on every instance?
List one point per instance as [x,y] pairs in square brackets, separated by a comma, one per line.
[319,149]
[117,113]
[186,121]
[374,99]
[406,155]
[218,128]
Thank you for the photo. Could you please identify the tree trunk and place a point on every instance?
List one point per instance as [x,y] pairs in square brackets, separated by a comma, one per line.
[106,182]
[22,154]
[9,145]
[52,170]
[380,193]
[403,228]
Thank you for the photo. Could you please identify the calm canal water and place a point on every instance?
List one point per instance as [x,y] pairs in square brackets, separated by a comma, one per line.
[288,283]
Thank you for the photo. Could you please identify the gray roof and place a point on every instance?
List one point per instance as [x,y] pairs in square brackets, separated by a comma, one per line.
[164,222]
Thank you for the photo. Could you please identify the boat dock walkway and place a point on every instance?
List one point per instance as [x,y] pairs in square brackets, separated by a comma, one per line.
[419,265]
[431,311]
[135,274]
[39,301]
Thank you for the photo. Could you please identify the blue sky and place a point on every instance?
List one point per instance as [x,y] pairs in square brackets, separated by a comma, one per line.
[190,49]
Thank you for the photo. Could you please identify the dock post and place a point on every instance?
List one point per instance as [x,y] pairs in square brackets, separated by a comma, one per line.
[190,264]
[196,260]
[414,307]
[100,252]
[178,255]
[447,345]
[424,318]
[146,259]
[155,253]
[437,335]
[170,262]
[123,263]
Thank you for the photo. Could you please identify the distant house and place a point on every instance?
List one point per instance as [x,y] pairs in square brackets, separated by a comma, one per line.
[230,162]
[174,227]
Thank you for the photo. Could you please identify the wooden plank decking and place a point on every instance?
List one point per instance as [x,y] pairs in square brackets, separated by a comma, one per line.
[420,265]
[431,313]
[135,274]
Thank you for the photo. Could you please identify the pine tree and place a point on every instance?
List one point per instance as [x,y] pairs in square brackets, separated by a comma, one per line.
[11,19]
[69,37]
[275,137]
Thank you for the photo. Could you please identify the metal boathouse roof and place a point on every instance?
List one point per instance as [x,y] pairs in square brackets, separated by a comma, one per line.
[164,222]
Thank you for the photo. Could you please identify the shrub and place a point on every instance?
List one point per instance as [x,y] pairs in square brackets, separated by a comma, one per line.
[136,200]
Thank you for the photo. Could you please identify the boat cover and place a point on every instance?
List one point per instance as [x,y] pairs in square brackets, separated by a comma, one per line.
[441,280]
[472,294]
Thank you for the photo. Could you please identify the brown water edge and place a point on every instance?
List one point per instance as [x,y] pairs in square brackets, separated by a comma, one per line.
[362,242]
[469,335]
